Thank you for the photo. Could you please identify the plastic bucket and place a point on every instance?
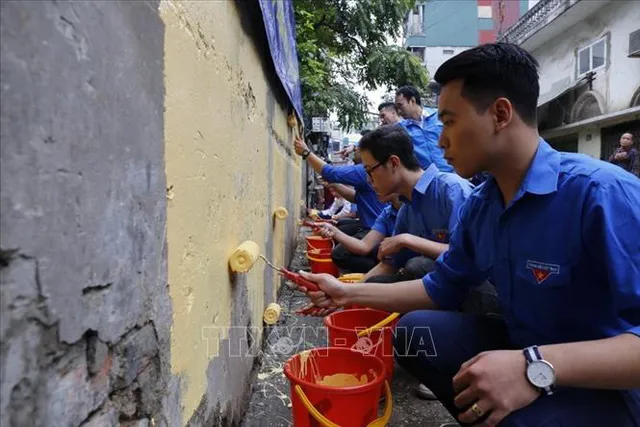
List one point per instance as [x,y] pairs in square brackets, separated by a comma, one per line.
[318,401]
[320,262]
[318,242]
[351,277]
[343,328]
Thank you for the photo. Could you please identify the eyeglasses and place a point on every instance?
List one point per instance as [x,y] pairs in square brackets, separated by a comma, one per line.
[369,171]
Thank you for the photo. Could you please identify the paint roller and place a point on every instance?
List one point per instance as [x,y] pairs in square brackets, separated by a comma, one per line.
[281,212]
[243,258]
[245,255]
[272,314]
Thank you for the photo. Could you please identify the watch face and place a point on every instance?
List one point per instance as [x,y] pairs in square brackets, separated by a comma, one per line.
[541,374]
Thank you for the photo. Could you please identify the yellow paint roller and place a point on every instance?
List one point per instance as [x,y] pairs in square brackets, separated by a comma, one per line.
[281,212]
[292,120]
[272,314]
[243,258]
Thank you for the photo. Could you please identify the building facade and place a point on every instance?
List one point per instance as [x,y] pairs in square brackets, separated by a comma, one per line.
[436,30]
[588,51]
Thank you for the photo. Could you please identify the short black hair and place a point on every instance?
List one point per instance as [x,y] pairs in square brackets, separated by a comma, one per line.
[363,132]
[388,105]
[409,92]
[495,70]
[389,140]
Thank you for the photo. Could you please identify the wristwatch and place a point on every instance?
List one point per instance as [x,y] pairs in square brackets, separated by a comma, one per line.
[305,154]
[540,373]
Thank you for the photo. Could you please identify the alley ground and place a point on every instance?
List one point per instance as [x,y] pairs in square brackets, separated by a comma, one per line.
[270,402]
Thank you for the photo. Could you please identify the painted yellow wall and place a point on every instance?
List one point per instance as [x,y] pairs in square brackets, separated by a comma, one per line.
[218,140]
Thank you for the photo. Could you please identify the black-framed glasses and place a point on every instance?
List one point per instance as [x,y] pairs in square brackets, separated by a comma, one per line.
[369,171]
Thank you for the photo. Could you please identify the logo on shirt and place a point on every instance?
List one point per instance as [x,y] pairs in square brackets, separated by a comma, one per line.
[441,235]
[541,271]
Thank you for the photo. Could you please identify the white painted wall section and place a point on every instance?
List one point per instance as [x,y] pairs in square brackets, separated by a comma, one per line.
[621,77]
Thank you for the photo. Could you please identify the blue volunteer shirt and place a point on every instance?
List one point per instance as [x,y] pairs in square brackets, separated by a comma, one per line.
[386,221]
[425,136]
[369,207]
[432,212]
[564,255]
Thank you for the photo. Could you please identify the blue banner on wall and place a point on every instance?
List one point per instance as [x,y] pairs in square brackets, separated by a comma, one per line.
[280,24]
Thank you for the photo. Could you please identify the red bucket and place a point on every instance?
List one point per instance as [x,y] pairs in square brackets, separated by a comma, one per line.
[343,328]
[320,262]
[318,242]
[321,393]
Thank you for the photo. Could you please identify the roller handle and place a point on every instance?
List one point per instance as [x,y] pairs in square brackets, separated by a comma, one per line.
[308,311]
[310,224]
[299,280]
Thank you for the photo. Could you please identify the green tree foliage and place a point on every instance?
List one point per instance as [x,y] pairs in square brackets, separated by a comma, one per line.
[343,43]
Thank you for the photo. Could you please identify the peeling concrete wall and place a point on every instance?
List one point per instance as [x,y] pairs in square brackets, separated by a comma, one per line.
[117,307]
[85,311]
[229,164]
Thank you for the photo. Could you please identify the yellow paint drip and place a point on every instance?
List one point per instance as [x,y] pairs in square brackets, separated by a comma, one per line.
[342,380]
[305,359]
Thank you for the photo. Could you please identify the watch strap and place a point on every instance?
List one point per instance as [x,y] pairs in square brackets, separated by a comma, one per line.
[305,154]
[532,354]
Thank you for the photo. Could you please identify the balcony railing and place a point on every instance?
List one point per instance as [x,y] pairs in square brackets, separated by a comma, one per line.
[536,18]
[413,26]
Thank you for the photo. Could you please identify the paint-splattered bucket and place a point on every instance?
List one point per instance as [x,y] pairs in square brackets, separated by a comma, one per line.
[318,242]
[343,328]
[333,387]
[320,262]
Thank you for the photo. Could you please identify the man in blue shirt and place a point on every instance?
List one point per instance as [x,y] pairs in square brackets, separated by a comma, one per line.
[423,127]
[557,233]
[431,200]
[369,207]
[361,254]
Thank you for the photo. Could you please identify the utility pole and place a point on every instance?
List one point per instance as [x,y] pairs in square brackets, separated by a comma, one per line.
[501,6]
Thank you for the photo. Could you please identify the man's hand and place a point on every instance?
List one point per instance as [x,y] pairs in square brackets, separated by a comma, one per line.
[495,381]
[391,245]
[332,292]
[621,155]
[312,310]
[347,150]
[326,229]
[299,146]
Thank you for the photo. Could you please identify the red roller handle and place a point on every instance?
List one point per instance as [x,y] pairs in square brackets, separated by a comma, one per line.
[310,224]
[299,280]
[309,311]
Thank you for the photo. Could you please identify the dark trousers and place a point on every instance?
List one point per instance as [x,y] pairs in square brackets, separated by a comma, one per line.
[352,263]
[482,300]
[415,268]
[350,226]
[432,345]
